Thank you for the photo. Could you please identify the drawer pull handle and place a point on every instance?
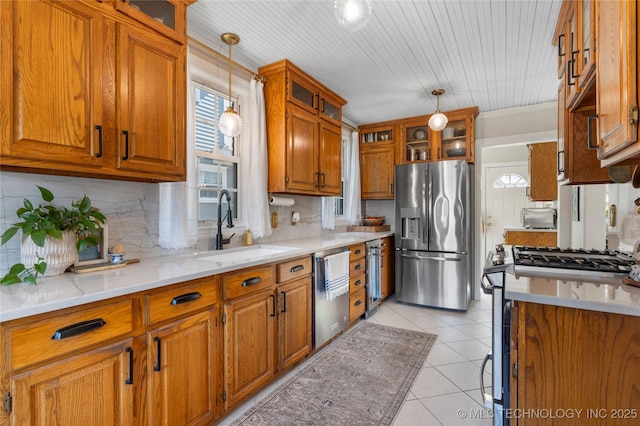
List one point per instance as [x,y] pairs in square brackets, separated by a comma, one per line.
[358,251]
[251,281]
[358,302]
[129,381]
[158,365]
[357,283]
[358,266]
[184,298]
[78,328]
[297,268]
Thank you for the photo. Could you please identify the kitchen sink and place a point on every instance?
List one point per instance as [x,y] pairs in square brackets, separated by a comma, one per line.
[245,254]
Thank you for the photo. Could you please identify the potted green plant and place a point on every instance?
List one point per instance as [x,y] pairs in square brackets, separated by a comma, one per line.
[48,225]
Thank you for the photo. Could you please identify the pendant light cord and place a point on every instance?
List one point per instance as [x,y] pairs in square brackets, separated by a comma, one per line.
[229,74]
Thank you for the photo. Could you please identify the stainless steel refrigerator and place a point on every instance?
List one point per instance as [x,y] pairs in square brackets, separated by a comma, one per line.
[433,233]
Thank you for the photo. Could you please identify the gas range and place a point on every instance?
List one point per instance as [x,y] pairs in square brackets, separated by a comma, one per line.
[554,260]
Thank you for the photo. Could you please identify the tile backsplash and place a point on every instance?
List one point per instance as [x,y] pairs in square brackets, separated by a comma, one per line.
[132,213]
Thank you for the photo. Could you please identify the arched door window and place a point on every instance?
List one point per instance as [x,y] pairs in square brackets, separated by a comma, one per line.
[511,180]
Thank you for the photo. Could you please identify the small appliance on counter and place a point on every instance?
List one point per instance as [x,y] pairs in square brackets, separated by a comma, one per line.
[539,218]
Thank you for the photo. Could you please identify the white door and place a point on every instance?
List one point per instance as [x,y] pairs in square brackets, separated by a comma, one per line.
[502,205]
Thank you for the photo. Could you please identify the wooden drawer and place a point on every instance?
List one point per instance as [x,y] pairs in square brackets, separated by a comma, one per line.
[356,282]
[180,299]
[32,342]
[247,281]
[357,267]
[358,251]
[356,305]
[293,269]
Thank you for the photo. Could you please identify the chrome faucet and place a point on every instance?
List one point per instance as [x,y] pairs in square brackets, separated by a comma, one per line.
[229,217]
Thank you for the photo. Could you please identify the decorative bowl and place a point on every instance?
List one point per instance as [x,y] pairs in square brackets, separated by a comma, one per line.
[459,152]
[373,220]
[117,258]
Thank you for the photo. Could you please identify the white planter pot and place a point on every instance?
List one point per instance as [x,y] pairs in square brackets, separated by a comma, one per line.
[58,254]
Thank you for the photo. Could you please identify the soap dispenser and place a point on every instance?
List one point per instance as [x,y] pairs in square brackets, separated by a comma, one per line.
[247,237]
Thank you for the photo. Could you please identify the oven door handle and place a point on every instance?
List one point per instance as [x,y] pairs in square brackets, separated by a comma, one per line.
[487,287]
[487,399]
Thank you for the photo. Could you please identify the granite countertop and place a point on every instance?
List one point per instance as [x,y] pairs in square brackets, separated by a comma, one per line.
[604,295]
[69,289]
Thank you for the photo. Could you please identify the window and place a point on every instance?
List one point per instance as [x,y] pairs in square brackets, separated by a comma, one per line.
[511,180]
[217,161]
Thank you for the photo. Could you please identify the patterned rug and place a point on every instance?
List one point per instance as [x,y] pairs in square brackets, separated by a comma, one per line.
[361,378]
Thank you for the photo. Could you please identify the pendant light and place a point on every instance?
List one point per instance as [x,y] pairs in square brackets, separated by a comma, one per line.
[352,14]
[438,121]
[230,123]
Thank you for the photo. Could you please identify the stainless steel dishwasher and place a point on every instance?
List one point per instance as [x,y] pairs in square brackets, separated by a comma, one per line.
[374,266]
[330,317]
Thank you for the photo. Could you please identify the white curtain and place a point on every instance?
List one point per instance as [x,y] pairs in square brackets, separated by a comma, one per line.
[178,217]
[253,151]
[352,197]
[328,213]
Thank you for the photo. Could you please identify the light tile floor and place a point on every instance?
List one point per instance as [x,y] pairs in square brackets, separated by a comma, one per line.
[447,390]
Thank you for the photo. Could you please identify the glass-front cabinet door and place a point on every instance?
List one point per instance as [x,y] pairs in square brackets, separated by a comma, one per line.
[380,134]
[457,140]
[165,16]
[330,110]
[416,138]
[300,92]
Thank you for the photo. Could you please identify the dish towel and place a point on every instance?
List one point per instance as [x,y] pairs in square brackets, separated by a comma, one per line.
[336,274]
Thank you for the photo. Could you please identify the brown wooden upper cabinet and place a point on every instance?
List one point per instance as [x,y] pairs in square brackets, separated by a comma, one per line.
[455,142]
[377,160]
[617,82]
[542,171]
[89,91]
[304,132]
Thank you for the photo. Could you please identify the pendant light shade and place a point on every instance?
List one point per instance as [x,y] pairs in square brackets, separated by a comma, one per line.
[230,123]
[352,14]
[438,121]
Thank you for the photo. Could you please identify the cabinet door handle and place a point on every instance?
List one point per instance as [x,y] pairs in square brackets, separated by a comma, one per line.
[297,268]
[273,299]
[589,131]
[569,72]
[126,145]
[184,298]
[251,281]
[284,301]
[324,180]
[158,365]
[560,161]
[316,105]
[358,302]
[560,52]
[78,328]
[129,381]
[99,153]
[317,179]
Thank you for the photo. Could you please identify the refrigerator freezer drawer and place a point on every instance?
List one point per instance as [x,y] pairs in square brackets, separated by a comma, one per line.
[433,279]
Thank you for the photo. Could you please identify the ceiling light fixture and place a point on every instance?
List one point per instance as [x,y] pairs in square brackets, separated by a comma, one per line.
[353,14]
[438,121]
[230,123]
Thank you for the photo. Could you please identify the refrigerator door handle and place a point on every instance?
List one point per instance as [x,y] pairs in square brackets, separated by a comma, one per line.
[426,206]
[409,256]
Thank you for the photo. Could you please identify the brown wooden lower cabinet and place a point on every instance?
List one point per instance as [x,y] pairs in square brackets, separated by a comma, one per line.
[531,238]
[576,361]
[122,361]
[387,274]
[267,325]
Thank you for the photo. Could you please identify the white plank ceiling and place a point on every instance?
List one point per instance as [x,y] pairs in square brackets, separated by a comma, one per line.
[494,54]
